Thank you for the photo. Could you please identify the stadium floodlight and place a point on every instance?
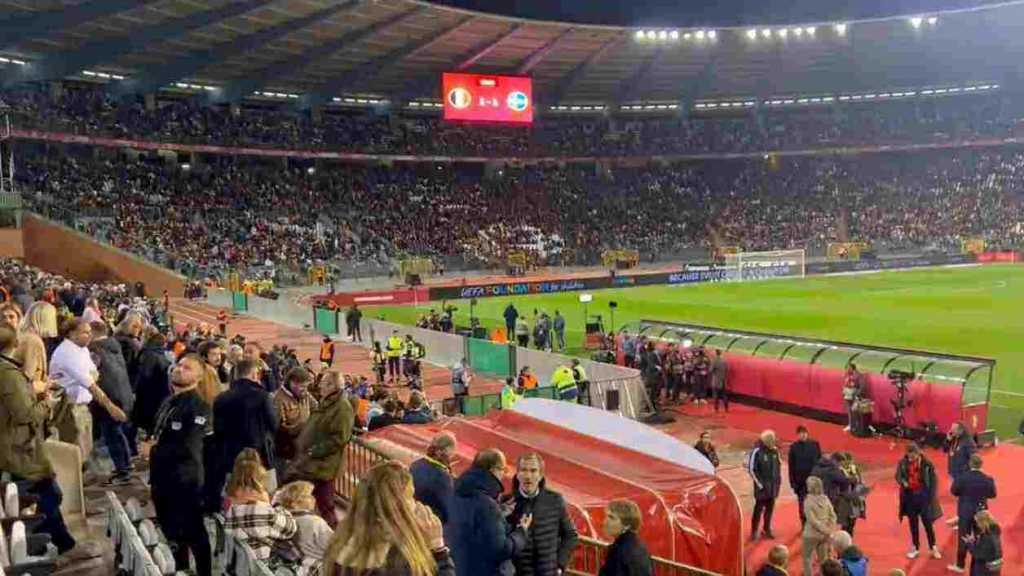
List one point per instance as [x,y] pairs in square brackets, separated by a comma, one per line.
[752,34]
[700,35]
[933,20]
[798,32]
[712,35]
[840,29]
[810,30]
[639,34]
[651,34]
[663,35]
[674,34]
[916,21]
[782,32]
[687,36]
[766,32]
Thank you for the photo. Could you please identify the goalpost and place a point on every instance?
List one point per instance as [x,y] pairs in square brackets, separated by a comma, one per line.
[743,266]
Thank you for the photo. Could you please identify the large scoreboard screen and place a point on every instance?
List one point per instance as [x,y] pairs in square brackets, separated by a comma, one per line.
[487,98]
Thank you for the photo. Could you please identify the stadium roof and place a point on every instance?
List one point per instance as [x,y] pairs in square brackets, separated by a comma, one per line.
[314,50]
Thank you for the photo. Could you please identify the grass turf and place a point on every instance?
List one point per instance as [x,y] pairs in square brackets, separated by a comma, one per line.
[972,311]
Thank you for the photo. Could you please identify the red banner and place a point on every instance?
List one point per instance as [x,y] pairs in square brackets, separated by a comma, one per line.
[482,98]
[992,257]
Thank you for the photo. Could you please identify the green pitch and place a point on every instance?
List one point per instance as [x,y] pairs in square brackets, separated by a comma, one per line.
[975,311]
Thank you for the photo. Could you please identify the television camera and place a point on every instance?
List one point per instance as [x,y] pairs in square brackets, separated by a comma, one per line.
[901,380]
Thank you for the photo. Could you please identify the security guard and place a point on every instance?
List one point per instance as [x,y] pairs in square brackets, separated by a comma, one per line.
[393,350]
[510,394]
[565,384]
[412,354]
[326,353]
[582,384]
[176,466]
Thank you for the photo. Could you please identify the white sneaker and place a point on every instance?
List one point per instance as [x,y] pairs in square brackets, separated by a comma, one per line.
[847,429]
[935,553]
[913,554]
[955,568]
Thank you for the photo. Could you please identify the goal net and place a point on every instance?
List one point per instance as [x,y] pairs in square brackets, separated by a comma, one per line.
[743,266]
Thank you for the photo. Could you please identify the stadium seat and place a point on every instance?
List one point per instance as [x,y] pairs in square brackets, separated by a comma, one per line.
[12,506]
[148,533]
[15,557]
[164,560]
[134,510]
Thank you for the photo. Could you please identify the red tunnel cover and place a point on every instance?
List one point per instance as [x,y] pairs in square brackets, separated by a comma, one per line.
[688,515]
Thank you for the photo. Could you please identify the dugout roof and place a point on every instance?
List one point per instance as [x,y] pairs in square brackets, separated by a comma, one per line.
[311,51]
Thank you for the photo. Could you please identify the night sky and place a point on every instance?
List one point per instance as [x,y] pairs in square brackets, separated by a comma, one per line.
[684,13]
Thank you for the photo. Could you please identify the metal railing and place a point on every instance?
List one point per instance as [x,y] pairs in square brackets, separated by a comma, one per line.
[359,457]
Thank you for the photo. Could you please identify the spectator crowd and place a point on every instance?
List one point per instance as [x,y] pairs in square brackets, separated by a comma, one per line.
[238,214]
[87,109]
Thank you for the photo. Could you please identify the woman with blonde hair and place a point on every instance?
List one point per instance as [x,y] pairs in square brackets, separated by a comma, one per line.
[251,518]
[38,326]
[985,546]
[313,534]
[387,532]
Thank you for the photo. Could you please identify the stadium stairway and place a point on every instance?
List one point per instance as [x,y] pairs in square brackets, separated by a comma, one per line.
[349,358]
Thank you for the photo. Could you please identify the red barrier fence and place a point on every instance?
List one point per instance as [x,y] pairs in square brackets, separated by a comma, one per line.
[994,257]
[416,295]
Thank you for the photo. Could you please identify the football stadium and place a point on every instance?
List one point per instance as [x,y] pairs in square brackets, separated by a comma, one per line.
[465,288]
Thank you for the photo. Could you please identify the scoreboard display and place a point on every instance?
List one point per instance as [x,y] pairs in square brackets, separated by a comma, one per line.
[487,98]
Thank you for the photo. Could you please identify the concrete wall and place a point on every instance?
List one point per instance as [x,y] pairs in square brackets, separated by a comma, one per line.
[61,250]
[11,245]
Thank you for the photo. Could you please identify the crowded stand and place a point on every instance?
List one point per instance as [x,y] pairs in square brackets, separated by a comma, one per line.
[88,109]
[232,213]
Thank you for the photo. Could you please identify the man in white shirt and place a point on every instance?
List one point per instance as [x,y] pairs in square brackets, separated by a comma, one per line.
[73,369]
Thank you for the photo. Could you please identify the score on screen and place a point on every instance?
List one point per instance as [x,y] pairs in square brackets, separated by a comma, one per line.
[483,98]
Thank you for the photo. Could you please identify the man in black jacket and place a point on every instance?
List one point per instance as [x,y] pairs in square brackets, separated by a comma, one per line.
[243,417]
[552,536]
[480,540]
[973,490]
[765,468]
[114,382]
[176,466]
[803,455]
[833,481]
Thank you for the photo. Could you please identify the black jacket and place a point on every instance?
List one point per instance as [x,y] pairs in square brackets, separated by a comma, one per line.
[176,462]
[923,502]
[985,549]
[769,570]
[130,349]
[152,385]
[382,420]
[959,452]
[833,481]
[476,531]
[552,536]
[244,417]
[433,486]
[972,489]
[627,556]
[764,465]
[803,456]
[113,374]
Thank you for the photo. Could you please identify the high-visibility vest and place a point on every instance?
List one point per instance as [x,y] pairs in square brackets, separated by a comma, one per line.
[326,351]
[509,397]
[579,374]
[394,347]
[563,379]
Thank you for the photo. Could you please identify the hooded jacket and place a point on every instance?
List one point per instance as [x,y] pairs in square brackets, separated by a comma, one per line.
[477,533]
[152,386]
[854,561]
[320,446]
[552,536]
[821,517]
[113,378]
